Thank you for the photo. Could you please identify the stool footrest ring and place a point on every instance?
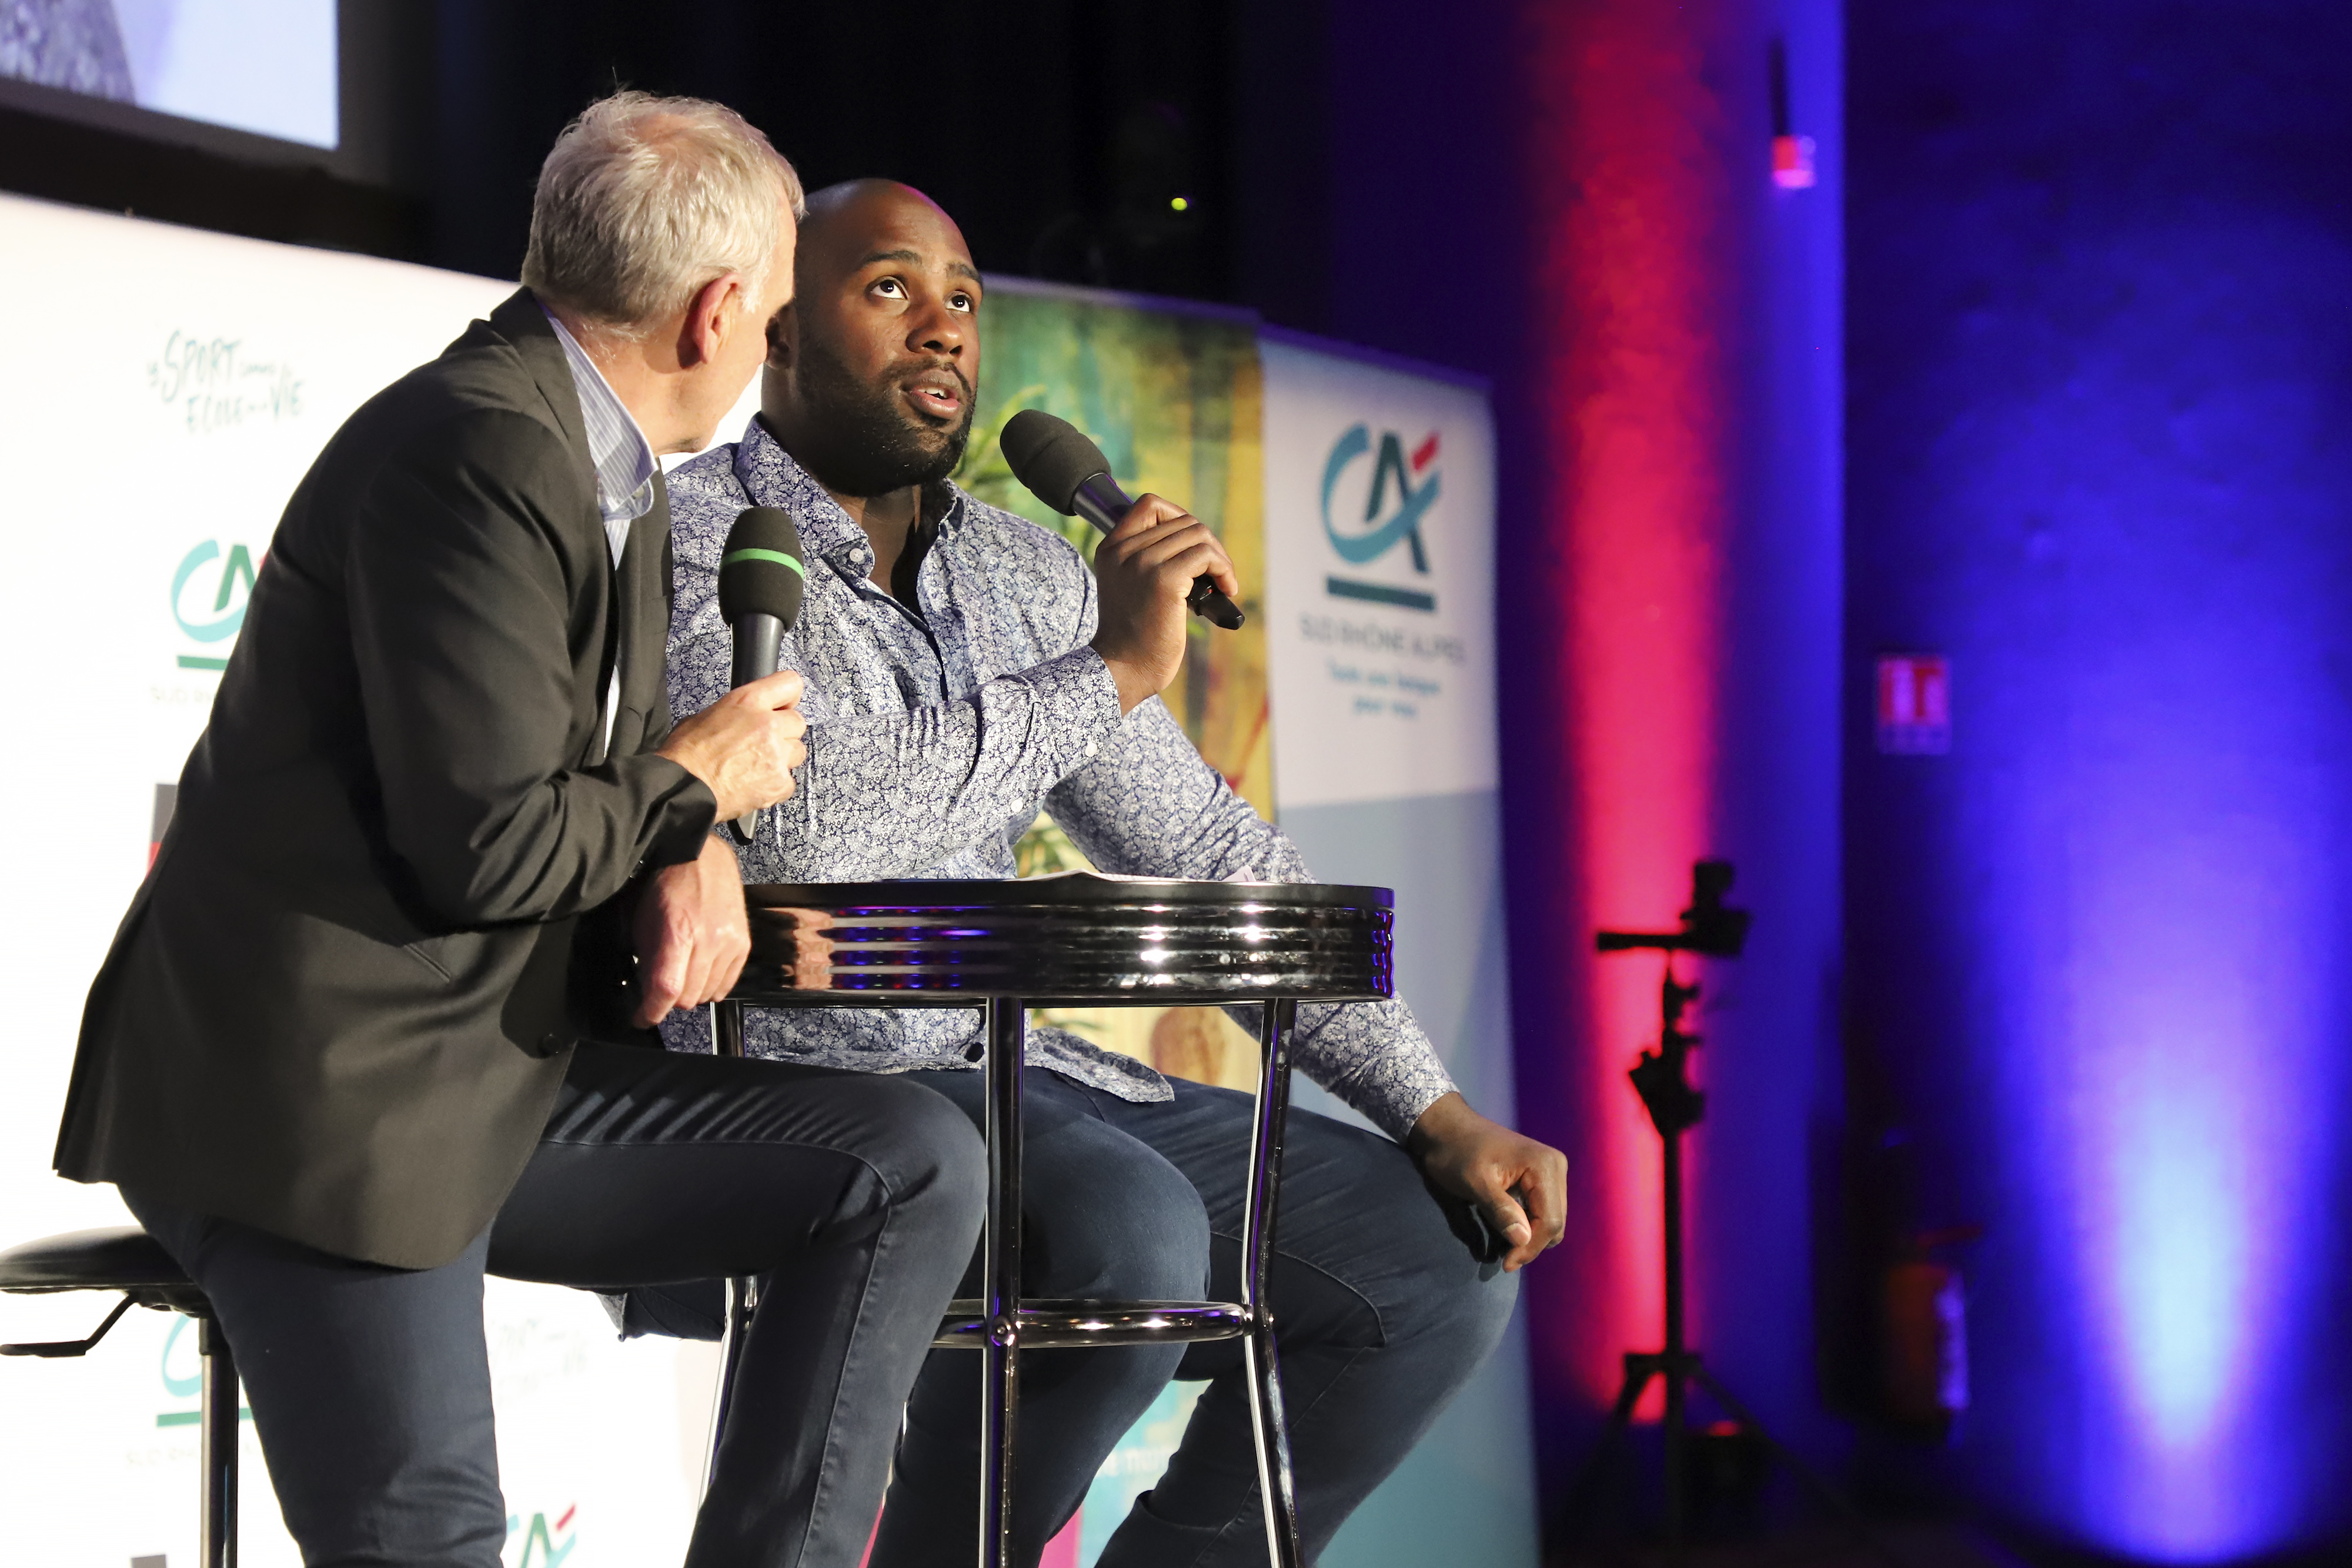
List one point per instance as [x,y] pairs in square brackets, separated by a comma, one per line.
[1053,1324]
[72,1346]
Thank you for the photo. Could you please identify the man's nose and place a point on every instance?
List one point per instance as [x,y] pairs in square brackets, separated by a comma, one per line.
[937,331]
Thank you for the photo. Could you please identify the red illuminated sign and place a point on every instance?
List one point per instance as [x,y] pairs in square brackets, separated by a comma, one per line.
[1915,705]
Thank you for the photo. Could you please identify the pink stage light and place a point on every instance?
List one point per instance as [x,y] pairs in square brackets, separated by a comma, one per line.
[1636,305]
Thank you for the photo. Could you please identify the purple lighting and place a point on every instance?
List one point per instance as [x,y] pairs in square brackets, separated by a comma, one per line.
[2150,957]
[2098,326]
[2197,1151]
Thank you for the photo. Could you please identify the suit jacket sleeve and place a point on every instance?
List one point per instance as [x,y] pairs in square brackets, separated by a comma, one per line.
[464,584]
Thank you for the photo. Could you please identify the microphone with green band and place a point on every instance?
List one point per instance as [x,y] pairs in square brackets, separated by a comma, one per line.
[761,582]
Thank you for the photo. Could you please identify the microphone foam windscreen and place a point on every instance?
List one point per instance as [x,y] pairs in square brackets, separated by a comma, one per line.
[1050,455]
[759,572]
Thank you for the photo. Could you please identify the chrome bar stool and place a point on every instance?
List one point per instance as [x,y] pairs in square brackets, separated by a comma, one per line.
[1076,940]
[126,1259]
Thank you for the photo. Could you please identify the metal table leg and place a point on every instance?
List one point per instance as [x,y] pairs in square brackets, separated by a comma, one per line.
[1259,1201]
[1001,1305]
[1001,1269]
[217,1547]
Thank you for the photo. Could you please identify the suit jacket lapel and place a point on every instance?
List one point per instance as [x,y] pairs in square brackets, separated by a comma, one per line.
[521,322]
[637,628]
[643,616]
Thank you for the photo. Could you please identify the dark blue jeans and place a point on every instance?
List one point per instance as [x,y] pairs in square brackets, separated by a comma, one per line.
[1385,1294]
[854,1198]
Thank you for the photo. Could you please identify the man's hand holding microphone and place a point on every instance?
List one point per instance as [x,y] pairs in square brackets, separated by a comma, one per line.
[745,745]
[692,935]
[1156,561]
[1144,571]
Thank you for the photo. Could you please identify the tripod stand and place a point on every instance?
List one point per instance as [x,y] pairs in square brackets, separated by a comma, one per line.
[1662,1079]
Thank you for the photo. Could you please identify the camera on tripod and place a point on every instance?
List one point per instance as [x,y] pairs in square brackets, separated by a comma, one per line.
[1712,930]
[1708,929]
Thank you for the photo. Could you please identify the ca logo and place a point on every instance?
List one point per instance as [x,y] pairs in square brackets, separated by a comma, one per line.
[219,620]
[1381,529]
[542,1540]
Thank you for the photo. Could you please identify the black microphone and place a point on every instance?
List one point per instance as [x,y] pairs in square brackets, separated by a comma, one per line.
[761,582]
[1068,473]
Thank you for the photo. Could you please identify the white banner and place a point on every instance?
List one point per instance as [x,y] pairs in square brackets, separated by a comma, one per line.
[1380,580]
[166,390]
[1380,529]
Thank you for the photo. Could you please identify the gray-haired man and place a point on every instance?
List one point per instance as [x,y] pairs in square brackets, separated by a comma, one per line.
[346,1052]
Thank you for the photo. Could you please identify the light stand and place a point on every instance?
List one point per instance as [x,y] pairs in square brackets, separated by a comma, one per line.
[1662,1079]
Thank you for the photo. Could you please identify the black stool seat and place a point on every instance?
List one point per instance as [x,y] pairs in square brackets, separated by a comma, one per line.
[112,1257]
[125,1258]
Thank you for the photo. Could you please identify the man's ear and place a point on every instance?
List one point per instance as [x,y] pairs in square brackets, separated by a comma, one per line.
[781,330]
[716,308]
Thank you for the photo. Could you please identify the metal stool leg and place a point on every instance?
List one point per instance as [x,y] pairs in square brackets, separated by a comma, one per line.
[1000,1359]
[742,1300]
[216,1545]
[1259,1206]
[742,1291]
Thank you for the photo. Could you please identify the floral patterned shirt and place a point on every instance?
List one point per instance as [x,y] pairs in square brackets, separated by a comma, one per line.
[937,734]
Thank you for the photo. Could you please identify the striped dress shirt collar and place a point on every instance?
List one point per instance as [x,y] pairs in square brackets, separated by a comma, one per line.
[623,458]
[625,465]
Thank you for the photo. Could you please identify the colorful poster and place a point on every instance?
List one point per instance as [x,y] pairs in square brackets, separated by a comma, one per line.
[1171,393]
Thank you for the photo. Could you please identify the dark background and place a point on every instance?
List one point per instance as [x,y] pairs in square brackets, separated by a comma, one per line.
[1058,133]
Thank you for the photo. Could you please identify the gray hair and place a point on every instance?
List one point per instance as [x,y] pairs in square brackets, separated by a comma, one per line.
[643,200]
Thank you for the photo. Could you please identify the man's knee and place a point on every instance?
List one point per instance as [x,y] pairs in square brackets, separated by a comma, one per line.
[1134,1230]
[1420,1267]
[932,1156]
[1472,1309]
[1453,1297]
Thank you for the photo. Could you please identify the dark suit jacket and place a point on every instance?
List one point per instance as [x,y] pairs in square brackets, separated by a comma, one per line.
[341,1006]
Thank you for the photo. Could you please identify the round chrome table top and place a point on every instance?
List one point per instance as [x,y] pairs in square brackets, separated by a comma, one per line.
[1077,937]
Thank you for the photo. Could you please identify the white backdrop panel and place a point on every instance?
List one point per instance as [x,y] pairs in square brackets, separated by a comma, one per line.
[1379,528]
[1380,506]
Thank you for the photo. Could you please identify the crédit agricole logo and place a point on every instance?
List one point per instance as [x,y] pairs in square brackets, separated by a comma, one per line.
[1397,495]
[208,596]
[544,1546]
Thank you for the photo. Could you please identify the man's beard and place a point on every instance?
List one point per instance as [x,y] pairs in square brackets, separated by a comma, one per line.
[863,440]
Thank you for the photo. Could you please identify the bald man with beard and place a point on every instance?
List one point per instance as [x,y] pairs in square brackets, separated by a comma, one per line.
[964,671]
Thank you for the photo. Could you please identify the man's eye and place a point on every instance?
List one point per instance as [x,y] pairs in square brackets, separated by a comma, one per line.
[890,288]
[963,301]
